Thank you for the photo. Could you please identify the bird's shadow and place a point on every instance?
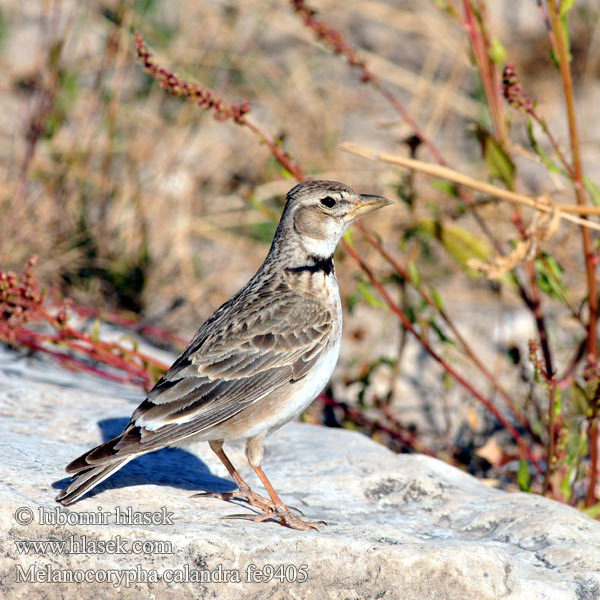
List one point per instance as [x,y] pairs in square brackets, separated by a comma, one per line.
[170,466]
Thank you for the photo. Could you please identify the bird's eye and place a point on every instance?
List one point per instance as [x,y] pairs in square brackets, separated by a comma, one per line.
[328,201]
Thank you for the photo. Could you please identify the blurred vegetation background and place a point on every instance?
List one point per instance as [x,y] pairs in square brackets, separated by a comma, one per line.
[140,202]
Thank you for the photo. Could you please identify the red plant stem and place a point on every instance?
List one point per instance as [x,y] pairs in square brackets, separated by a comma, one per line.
[494,75]
[105,357]
[534,301]
[590,265]
[399,108]
[567,83]
[22,338]
[548,25]
[282,157]
[486,72]
[470,353]
[551,436]
[489,78]
[130,323]
[27,336]
[132,362]
[101,355]
[106,348]
[447,367]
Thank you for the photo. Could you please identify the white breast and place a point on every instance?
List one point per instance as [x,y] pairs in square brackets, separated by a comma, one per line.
[303,393]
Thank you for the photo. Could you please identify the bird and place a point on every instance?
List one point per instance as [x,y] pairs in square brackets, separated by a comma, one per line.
[257,362]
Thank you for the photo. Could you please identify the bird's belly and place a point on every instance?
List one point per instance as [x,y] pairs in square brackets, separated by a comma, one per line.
[279,407]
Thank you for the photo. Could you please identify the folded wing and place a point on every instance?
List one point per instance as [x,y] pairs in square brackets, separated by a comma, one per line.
[232,362]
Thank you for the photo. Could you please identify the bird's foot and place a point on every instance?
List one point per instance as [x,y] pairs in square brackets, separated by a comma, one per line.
[282,515]
[268,509]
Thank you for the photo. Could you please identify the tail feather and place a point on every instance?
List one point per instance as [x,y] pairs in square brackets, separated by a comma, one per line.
[89,478]
[108,452]
[100,462]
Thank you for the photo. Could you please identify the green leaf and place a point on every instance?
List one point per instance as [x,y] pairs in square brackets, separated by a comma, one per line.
[497,51]
[565,7]
[440,333]
[65,98]
[54,52]
[555,269]
[96,330]
[155,372]
[592,189]
[500,165]
[460,244]
[364,290]
[415,278]
[558,403]
[576,444]
[565,485]
[550,278]
[548,162]
[580,401]
[563,24]
[524,476]
[445,187]
[592,511]
[437,299]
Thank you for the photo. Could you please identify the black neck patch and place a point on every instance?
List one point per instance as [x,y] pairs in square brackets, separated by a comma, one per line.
[319,264]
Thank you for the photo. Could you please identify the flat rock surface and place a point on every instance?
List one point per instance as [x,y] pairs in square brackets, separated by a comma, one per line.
[399,526]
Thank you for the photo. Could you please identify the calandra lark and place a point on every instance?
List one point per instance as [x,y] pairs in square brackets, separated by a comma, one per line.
[257,362]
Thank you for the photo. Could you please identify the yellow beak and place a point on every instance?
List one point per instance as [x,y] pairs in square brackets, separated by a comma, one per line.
[366,203]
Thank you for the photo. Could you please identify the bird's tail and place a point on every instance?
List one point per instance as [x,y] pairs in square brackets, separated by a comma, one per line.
[92,468]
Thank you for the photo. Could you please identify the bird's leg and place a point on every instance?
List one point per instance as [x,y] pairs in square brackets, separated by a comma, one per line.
[282,513]
[274,508]
[244,492]
[254,453]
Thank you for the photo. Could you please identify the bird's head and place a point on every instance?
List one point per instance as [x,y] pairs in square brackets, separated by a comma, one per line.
[320,211]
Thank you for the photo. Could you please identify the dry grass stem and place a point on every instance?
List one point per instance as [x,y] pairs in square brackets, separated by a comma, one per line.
[542,203]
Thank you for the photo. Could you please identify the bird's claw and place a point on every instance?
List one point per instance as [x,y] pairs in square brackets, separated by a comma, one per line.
[268,510]
[285,518]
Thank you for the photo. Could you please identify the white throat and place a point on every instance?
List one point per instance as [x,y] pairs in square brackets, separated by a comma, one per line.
[319,248]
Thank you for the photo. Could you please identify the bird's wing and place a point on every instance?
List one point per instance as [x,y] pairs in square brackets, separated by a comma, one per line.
[241,354]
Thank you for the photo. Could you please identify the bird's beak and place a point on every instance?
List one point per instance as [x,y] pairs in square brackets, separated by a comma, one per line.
[366,203]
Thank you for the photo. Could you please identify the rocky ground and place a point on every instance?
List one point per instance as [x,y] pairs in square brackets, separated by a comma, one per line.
[398,526]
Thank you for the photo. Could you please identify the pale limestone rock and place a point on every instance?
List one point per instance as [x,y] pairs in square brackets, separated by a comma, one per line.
[399,526]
